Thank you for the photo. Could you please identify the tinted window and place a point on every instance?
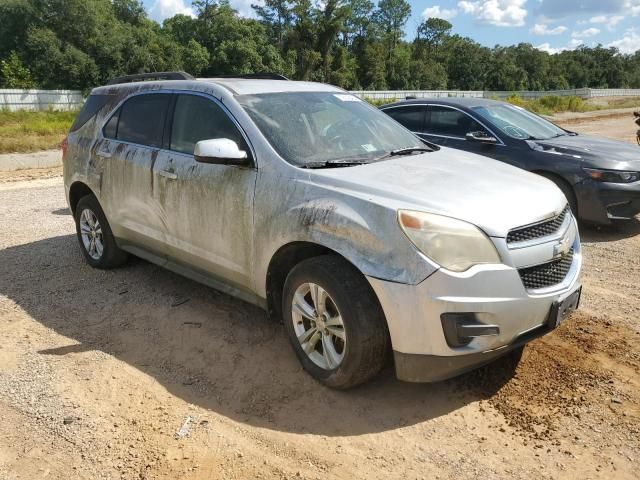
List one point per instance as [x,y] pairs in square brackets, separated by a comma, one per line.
[411,117]
[142,119]
[110,129]
[518,123]
[93,104]
[198,118]
[450,122]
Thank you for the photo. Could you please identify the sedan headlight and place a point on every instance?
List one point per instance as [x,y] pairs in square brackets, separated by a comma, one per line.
[612,176]
[452,244]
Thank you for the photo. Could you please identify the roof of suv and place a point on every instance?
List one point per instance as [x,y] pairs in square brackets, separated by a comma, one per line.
[237,86]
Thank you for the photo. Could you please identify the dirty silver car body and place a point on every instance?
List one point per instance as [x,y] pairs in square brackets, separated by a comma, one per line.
[241,229]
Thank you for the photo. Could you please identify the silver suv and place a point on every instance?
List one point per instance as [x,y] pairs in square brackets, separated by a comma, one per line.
[303,199]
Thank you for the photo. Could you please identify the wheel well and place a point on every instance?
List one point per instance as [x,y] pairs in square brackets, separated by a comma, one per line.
[76,192]
[281,264]
[555,177]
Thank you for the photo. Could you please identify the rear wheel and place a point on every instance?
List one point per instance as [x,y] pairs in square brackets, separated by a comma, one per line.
[94,235]
[334,322]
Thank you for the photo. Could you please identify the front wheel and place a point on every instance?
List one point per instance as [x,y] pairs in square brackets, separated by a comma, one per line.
[334,322]
[94,235]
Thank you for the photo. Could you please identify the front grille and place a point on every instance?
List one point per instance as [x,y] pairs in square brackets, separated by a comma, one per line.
[547,274]
[537,230]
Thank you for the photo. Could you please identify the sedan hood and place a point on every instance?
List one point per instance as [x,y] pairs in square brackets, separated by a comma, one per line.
[487,193]
[598,152]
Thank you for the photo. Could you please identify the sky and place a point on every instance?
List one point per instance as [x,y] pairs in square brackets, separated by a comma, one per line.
[549,25]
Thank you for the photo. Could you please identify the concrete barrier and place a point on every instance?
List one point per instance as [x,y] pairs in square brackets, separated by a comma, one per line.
[21,161]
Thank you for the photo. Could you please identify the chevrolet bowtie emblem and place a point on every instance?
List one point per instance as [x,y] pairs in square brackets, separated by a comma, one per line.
[562,247]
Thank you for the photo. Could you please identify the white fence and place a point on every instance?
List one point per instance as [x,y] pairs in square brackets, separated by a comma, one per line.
[402,94]
[13,99]
[73,99]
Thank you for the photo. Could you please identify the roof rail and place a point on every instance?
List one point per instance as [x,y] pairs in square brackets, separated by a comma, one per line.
[141,77]
[256,76]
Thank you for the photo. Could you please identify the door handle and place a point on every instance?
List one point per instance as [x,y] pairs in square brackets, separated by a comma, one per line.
[168,175]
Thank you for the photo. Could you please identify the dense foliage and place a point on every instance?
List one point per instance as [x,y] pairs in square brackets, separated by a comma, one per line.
[354,44]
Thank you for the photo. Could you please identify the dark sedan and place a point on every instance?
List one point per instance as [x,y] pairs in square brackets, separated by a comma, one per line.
[599,177]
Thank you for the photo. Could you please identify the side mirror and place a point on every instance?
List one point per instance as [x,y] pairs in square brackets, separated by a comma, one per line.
[220,151]
[481,137]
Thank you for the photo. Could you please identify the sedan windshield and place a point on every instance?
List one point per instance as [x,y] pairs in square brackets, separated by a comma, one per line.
[518,123]
[311,128]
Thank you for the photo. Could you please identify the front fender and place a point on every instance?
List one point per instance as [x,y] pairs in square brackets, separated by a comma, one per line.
[365,233]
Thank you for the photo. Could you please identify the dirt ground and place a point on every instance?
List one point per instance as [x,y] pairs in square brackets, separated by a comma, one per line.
[138,373]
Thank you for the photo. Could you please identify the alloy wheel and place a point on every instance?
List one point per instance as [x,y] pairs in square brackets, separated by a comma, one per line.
[91,234]
[318,326]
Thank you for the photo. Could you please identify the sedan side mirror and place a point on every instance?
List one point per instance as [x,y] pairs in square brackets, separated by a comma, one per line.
[481,137]
[220,151]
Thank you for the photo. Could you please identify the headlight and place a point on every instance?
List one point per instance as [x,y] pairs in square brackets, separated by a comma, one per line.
[612,176]
[452,244]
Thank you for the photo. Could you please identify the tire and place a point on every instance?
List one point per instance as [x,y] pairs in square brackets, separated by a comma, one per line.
[566,190]
[109,256]
[364,348]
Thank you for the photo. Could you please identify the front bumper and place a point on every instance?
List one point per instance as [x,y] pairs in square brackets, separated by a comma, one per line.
[493,294]
[602,203]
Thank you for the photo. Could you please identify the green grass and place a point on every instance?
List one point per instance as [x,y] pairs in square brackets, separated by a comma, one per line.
[552,104]
[22,132]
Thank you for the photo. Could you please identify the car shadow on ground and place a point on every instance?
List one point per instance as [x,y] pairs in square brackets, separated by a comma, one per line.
[210,349]
[610,233]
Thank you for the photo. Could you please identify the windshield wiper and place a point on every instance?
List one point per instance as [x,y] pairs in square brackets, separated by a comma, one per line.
[409,150]
[345,162]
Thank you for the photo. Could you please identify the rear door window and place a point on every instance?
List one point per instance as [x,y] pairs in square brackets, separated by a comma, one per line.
[411,117]
[142,119]
[198,118]
[450,122]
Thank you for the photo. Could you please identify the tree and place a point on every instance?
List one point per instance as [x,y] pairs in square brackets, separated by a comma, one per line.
[432,33]
[13,74]
[392,16]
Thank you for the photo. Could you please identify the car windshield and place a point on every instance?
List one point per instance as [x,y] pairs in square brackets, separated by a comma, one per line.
[518,123]
[308,128]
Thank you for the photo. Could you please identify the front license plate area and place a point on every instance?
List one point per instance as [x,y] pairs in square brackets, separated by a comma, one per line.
[561,309]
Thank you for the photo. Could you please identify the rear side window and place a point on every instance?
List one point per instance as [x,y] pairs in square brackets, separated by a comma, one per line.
[141,120]
[410,117]
[92,106]
[198,118]
[450,122]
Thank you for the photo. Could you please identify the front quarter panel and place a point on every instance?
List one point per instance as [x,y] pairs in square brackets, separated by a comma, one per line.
[290,207]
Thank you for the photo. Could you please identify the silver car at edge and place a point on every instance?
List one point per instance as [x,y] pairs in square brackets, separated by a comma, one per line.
[305,200]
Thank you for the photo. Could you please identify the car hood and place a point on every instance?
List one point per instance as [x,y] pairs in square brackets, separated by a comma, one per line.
[597,151]
[487,193]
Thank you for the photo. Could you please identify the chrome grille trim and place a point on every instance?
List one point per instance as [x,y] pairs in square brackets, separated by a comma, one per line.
[537,230]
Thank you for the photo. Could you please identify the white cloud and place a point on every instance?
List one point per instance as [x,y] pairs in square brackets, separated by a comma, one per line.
[630,43]
[437,12]
[546,47]
[162,9]
[542,29]
[632,7]
[609,21]
[503,13]
[575,43]
[244,7]
[589,32]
